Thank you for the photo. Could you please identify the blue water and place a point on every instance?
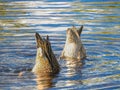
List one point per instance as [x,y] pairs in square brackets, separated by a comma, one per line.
[20,19]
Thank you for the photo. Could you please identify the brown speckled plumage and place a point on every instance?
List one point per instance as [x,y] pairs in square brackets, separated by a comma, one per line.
[45,58]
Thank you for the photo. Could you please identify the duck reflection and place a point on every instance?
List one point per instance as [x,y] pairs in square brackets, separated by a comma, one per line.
[44,81]
[71,74]
[74,71]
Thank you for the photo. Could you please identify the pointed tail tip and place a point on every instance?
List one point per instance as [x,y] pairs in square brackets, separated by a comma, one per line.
[47,37]
[38,37]
[81,26]
[36,33]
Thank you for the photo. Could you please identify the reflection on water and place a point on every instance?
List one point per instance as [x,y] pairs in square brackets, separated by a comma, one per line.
[44,82]
[71,75]
[19,20]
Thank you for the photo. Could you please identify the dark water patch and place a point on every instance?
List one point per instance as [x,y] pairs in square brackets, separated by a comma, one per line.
[15,68]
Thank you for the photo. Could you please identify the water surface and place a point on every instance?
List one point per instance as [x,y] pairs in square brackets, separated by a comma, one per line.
[20,19]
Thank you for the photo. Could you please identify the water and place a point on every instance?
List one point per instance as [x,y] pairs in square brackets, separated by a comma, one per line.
[20,19]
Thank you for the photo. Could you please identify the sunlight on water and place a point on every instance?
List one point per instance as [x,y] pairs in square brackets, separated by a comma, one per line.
[19,20]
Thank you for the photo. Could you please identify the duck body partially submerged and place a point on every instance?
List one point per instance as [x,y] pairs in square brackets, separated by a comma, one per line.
[46,61]
[73,48]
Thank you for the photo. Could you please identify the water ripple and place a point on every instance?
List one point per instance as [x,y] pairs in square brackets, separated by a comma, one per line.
[19,20]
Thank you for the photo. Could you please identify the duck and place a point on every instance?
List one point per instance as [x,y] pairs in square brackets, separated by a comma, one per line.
[46,61]
[73,48]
